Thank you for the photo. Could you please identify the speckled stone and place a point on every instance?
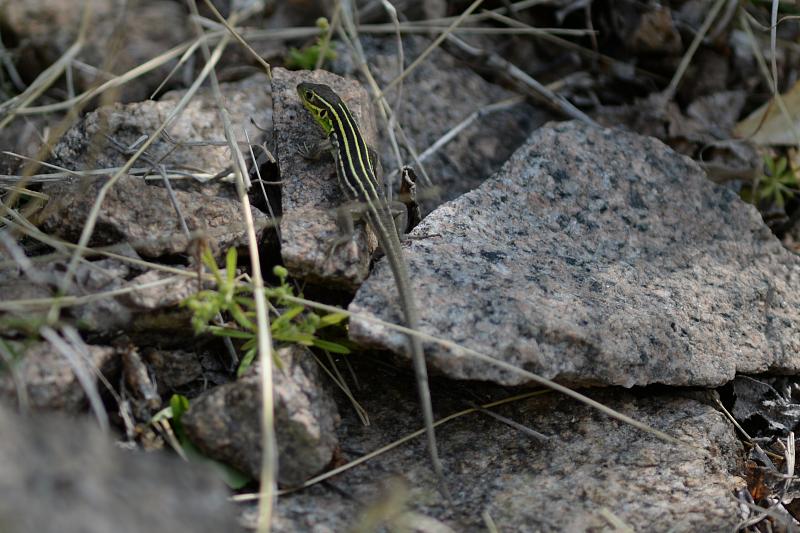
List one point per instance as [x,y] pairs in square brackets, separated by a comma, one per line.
[196,142]
[225,423]
[310,191]
[596,256]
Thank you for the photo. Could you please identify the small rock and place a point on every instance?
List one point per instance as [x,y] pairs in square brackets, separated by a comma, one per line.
[226,423]
[597,256]
[174,368]
[91,277]
[77,481]
[106,314]
[23,136]
[49,379]
[310,192]
[648,29]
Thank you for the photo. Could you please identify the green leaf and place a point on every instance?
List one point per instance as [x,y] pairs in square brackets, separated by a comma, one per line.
[293,335]
[331,319]
[221,331]
[780,168]
[246,361]
[286,317]
[211,263]
[770,164]
[230,265]
[241,318]
[178,404]
[331,346]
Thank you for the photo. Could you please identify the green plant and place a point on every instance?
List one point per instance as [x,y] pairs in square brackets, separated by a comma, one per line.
[306,58]
[778,183]
[294,324]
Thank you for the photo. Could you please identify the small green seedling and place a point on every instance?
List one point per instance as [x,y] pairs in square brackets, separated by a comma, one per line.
[777,184]
[294,324]
[306,58]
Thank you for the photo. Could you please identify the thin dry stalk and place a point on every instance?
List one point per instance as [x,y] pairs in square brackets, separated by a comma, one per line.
[236,34]
[269,447]
[33,304]
[669,92]
[772,83]
[76,354]
[340,382]
[494,61]
[434,45]
[325,42]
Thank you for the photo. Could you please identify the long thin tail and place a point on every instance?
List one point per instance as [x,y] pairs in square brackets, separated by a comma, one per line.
[394,254]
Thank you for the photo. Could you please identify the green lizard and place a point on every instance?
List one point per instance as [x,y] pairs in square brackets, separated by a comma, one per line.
[355,165]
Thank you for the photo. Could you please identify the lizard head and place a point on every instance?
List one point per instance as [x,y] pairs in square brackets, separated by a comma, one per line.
[321,101]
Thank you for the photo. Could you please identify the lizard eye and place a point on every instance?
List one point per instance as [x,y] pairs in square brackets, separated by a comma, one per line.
[308,95]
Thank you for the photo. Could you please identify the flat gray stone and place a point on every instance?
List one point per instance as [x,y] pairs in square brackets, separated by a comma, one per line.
[591,467]
[143,216]
[193,150]
[597,256]
[310,191]
[138,210]
[225,423]
[60,474]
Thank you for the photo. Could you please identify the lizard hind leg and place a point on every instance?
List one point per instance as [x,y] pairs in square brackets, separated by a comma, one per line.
[346,217]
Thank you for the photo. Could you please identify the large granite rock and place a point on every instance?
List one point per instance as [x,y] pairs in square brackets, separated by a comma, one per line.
[597,256]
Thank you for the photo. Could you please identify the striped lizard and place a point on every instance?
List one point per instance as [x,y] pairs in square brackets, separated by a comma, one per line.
[358,180]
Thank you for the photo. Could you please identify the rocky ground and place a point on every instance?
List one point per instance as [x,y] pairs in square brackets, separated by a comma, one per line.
[612,210]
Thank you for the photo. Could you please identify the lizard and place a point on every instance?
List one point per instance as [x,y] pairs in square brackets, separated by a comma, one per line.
[356,165]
